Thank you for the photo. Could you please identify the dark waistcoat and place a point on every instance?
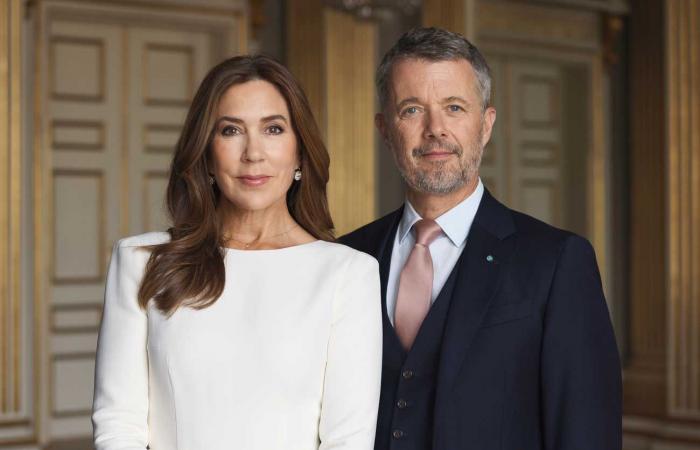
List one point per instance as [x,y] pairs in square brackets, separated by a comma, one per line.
[407,398]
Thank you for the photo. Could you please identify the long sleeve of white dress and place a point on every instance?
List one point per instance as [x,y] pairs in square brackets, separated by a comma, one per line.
[120,416]
[351,387]
[288,358]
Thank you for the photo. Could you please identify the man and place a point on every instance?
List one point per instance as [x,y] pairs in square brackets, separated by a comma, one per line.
[496,331]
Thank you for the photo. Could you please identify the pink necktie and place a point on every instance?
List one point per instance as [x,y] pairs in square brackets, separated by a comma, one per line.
[416,284]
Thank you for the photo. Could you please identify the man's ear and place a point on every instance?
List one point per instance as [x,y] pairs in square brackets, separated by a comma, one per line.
[380,123]
[487,125]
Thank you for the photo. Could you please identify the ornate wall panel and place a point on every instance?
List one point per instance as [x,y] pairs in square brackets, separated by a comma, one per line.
[333,55]
[350,58]
[453,15]
[683,114]
[305,52]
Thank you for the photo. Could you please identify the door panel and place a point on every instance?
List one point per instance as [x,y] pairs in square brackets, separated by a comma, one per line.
[165,68]
[117,95]
[85,140]
[524,163]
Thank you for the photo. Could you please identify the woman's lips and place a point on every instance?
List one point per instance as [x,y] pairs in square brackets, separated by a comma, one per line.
[254,180]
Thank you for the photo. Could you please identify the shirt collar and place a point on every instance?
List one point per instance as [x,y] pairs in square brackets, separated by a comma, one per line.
[455,223]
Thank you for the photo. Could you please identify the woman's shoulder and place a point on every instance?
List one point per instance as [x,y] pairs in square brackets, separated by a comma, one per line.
[356,260]
[145,239]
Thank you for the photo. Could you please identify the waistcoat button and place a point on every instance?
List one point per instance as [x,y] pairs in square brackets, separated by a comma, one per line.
[401,404]
[397,434]
[407,374]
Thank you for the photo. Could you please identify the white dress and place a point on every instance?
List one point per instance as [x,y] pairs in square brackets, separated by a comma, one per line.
[289,357]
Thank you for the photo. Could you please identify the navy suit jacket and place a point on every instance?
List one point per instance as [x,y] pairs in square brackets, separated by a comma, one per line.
[528,359]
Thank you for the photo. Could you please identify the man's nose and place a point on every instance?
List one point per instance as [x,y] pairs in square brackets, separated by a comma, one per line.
[434,126]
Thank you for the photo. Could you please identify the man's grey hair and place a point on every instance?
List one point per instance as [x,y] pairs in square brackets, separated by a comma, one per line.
[433,44]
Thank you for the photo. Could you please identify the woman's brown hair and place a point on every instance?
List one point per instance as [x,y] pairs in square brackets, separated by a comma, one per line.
[189,269]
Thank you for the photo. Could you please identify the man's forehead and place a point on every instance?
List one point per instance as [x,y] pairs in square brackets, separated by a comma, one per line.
[421,74]
[452,67]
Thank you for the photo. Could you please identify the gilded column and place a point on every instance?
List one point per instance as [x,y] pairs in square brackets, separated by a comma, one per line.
[333,54]
[683,222]
[645,369]
[350,60]
[305,38]
[15,412]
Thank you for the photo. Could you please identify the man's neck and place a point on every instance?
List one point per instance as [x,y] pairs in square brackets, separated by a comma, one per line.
[431,206]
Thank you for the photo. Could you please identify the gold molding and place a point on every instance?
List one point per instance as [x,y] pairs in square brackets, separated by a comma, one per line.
[10,203]
[169,48]
[554,27]
[161,6]
[101,223]
[78,146]
[39,174]
[15,193]
[597,170]
[5,158]
[101,69]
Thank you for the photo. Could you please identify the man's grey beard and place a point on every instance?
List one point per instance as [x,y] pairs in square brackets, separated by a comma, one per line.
[438,181]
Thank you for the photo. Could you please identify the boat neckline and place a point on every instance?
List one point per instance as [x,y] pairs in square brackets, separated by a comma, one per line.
[271,250]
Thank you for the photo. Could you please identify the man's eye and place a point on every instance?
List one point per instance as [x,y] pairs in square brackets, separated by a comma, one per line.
[409,111]
[230,131]
[455,108]
[275,129]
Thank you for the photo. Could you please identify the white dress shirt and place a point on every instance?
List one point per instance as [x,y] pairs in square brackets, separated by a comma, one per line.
[288,358]
[444,250]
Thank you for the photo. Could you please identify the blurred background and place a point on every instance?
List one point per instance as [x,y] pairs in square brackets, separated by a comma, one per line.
[598,131]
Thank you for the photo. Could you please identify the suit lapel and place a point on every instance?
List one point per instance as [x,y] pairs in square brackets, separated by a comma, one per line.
[487,252]
[393,352]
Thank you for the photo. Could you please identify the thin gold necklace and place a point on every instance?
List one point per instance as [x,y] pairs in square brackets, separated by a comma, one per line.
[246,245]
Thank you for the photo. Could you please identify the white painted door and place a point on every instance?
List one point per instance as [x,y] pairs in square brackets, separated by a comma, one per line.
[531,155]
[117,93]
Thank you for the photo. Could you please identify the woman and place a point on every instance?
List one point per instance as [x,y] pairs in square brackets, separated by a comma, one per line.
[243,327]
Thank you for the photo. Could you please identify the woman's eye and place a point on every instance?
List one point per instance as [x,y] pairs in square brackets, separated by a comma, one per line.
[274,129]
[229,131]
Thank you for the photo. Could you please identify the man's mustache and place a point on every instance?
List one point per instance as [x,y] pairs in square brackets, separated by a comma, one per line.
[432,146]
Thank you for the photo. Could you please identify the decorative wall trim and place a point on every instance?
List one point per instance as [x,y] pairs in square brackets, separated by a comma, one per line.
[683,221]
[11,402]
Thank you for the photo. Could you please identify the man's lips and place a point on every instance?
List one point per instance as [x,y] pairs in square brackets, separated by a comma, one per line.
[437,155]
[254,180]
